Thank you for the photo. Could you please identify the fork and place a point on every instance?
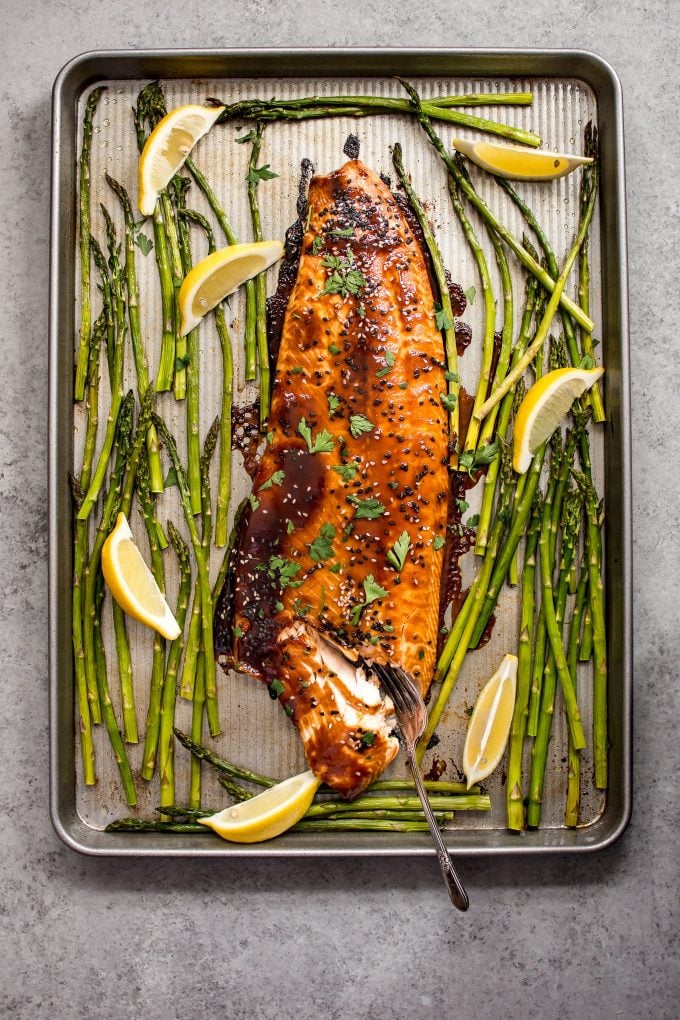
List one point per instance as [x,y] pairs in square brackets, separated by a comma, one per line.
[411,716]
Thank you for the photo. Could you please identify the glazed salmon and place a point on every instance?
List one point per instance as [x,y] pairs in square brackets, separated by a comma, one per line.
[340,551]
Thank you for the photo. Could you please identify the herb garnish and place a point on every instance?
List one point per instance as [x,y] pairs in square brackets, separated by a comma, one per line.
[389,365]
[334,349]
[346,471]
[275,479]
[323,443]
[368,739]
[322,547]
[345,232]
[284,571]
[254,501]
[317,245]
[442,318]
[397,554]
[359,423]
[470,460]
[333,403]
[372,591]
[438,543]
[449,401]
[366,509]
[344,278]
[276,687]
[470,295]
[258,174]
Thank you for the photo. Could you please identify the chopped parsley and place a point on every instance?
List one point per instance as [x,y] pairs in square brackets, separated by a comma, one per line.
[290,527]
[317,245]
[333,403]
[470,295]
[334,349]
[275,479]
[366,509]
[472,522]
[344,278]
[359,423]
[451,376]
[323,443]
[322,546]
[470,460]
[276,687]
[372,591]
[438,543]
[462,505]
[389,365]
[368,738]
[396,556]
[301,609]
[346,471]
[345,232]
[442,318]
[283,571]
[237,631]
[298,370]
[449,401]
[254,501]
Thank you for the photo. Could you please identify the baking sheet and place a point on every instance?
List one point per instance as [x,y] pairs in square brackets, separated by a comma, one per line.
[256,732]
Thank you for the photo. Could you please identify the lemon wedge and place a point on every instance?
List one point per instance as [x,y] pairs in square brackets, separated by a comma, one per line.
[489,725]
[168,146]
[544,407]
[132,584]
[220,274]
[267,815]
[518,163]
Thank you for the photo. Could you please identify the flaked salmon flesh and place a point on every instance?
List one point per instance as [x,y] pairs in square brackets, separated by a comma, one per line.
[341,549]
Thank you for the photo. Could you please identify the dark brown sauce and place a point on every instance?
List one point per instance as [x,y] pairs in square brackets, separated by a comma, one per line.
[463,337]
[437,769]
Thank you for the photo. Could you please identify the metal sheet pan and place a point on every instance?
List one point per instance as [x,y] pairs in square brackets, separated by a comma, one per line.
[569,87]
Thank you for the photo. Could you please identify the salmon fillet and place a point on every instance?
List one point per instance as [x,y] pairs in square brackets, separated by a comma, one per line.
[340,552]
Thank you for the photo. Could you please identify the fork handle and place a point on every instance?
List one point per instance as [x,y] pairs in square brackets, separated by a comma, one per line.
[453,884]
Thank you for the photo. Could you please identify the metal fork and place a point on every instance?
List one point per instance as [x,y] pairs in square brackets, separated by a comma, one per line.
[411,717]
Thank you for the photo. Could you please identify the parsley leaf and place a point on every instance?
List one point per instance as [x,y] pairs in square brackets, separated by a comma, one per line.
[258,174]
[368,738]
[276,687]
[284,571]
[397,554]
[322,546]
[359,423]
[442,318]
[323,443]
[344,278]
[345,232]
[438,543]
[346,471]
[470,460]
[472,522]
[333,403]
[470,295]
[237,631]
[275,479]
[389,365]
[170,479]
[290,527]
[334,349]
[181,363]
[451,376]
[372,591]
[317,245]
[449,401]
[587,361]
[462,505]
[254,501]
[144,243]
[366,509]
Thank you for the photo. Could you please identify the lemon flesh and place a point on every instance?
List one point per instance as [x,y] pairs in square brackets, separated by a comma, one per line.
[132,584]
[267,815]
[543,408]
[168,146]
[518,163]
[489,726]
[219,275]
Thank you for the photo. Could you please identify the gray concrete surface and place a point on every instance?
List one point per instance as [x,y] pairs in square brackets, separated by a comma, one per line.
[593,938]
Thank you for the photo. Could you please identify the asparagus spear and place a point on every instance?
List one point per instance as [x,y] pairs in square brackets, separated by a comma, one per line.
[589,185]
[201,565]
[84,241]
[444,310]
[594,554]
[360,106]
[153,715]
[555,604]
[118,312]
[573,760]
[253,180]
[197,714]
[320,825]
[585,651]
[107,298]
[527,260]
[514,785]
[139,354]
[227,767]
[166,743]
[80,555]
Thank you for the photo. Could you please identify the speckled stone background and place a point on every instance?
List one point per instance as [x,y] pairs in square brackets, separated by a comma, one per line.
[595,937]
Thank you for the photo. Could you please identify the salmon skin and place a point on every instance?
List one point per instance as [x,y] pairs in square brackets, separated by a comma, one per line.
[339,556]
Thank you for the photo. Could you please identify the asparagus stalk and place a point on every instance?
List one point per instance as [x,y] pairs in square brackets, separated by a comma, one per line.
[573,761]
[458,802]
[224,471]
[594,554]
[201,565]
[444,310]
[360,106]
[250,344]
[514,785]
[253,180]
[472,433]
[80,555]
[84,241]
[226,767]
[118,312]
[585,651]
[139,354]
[169,317]
[589,186]
[166,743]
[505,352]
[555,603]
[191,367]
[197,713]
[153,715]
[527,260]
[107,298]
[320,825]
